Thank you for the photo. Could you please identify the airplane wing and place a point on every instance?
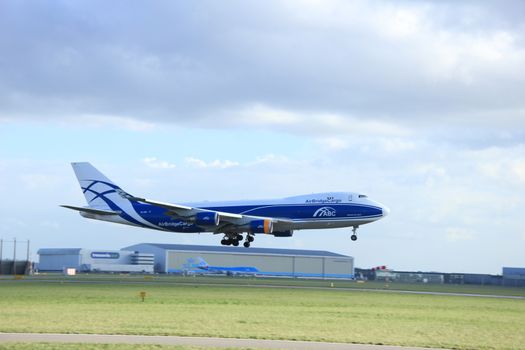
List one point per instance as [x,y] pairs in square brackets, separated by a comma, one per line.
[228,221]
[184,211]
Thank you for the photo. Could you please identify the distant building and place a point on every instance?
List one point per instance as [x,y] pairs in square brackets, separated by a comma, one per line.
[409,276]
[86,260]
[514,273]
[177,258]
[514,276]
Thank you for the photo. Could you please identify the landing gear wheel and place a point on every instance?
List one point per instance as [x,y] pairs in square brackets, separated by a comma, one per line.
[353,237]
[246,244]
[235,243]
[239,237]
[250,238]
[224,241]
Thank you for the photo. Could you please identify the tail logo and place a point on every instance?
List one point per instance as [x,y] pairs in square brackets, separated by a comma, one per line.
[325,212]
[124,194]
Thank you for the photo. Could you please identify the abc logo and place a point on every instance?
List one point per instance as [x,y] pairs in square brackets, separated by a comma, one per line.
[324,212]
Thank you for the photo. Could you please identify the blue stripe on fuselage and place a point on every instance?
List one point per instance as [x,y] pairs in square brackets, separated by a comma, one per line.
[294,212]
[303,211]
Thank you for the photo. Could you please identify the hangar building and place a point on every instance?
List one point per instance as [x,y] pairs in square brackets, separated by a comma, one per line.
[86,260]
[177,258]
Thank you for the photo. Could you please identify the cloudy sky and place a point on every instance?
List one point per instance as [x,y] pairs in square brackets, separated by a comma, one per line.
[420,105]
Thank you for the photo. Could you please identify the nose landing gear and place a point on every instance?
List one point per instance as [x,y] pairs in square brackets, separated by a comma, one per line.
[353,237]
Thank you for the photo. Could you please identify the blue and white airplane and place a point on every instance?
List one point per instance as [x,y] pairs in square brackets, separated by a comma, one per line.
[199,264]
[277,217]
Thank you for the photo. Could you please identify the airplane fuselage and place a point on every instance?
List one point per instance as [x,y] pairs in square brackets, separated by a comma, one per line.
[315,211]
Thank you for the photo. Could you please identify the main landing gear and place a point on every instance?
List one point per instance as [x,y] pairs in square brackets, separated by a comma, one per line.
[235,238]
[353,237]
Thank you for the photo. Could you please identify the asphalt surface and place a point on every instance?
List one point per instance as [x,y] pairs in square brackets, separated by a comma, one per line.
[188,341]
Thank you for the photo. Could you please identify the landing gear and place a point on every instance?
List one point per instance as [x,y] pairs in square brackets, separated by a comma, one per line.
[235,238]
[230,239]
[249,238]
[353,237]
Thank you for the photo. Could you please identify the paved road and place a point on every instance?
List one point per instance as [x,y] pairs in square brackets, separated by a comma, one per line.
[189,341]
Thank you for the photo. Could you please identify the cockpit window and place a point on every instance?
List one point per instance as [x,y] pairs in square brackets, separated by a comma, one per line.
[362,196]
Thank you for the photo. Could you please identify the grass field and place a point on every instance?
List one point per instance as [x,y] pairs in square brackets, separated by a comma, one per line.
[296,314]
[55,346]
[247,281]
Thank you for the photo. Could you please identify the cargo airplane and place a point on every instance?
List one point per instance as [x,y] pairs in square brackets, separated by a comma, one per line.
[277,217]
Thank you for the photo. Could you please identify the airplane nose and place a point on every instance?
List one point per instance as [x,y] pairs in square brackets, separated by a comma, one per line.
[386,211]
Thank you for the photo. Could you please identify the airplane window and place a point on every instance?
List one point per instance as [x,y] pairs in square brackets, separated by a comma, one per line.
[362,196]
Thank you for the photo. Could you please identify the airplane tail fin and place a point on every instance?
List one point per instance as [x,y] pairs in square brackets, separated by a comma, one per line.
[196,263]
[99,191]
[201,262]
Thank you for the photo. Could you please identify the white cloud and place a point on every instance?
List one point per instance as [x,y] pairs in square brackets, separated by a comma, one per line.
[431,169]
[218,164]
[153,162]
[271,159]
[400,23]
[502,164]
[113,121]
[267,159]
[333,143]
[98,121]
[259,114]
[394,145]
[375,68]
[470,58]
[315,124]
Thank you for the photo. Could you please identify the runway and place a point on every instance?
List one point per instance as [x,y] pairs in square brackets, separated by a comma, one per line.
[189,341]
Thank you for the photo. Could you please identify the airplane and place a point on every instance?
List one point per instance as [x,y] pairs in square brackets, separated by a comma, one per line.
[277,217]
[201,264]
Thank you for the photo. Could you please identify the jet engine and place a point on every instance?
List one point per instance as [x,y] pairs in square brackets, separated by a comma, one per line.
[206,218]
[261,226]
[288,233]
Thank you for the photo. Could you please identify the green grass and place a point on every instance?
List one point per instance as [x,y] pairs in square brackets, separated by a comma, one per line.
[264,313]
[250,281]
[59,346]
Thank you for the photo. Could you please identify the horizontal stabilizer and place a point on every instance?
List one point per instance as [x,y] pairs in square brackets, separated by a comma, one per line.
[92,210]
